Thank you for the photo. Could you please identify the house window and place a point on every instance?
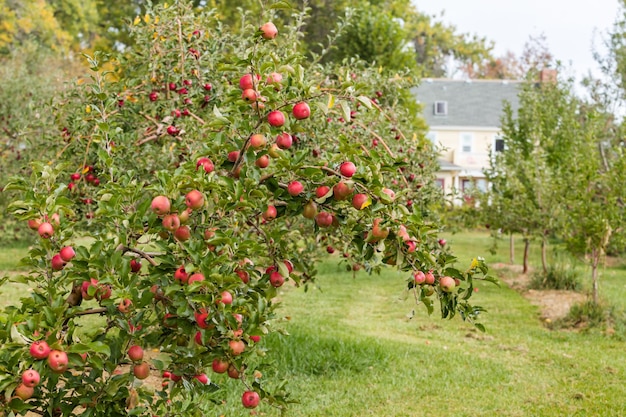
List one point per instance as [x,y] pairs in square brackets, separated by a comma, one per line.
[467,140]
[441,182]
[499,144]
[470,184]
[440,108]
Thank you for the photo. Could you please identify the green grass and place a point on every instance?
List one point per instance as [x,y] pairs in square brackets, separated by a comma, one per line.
[352,351]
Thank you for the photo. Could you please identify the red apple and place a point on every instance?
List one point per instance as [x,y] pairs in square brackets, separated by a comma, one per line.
[194,199]
[202,378]
[295,188]
[31,378]
[301,111]
[246,82]
[284,140]
[67,253]
[183,233]
[202,317]
[135,353]
[181,275]
[257,141]
[330,249]
[39,349]
[341,191]
[389,192]
[347,169]
[321,191]
[255,338]
[419,277]
[429,278]
[378,233]
[270,213]
[160,205]
[276,118]
[359,201]
[250,399]
[172,130]
[219,366]
[324,219]
[225,298]
[233,372]
[33,224]
[447,284]
[276,279]
[411,246]
[58,362]
[171,222]
[45,230]
[197,277]
[263,161]
[104,292]
[23,392]
[85,288]
[206,164]
[442,242]
[135,265]
[268,30]
[274,78]
[57,263]
[124,306]
[141,370]
[249,95]
[236,347]
[243,275]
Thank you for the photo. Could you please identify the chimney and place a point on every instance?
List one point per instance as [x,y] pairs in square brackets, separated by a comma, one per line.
[547,75]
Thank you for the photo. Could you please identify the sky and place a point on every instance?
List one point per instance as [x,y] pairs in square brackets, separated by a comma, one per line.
[571,27]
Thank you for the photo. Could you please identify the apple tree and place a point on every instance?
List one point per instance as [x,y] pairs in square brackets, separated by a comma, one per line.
[194,176]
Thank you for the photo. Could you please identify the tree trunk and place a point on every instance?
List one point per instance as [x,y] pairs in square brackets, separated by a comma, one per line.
[544,262]
[511,249]
[526,249]
[595,259]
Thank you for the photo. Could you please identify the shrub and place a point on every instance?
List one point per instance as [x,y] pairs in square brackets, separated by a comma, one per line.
[562,274]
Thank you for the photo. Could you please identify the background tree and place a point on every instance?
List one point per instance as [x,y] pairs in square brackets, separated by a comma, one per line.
[526,175]
[535,56]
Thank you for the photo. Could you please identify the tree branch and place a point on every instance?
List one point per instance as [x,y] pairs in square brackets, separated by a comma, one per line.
[141,253]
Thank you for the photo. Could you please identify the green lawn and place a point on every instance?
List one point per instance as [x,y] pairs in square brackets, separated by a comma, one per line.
[352,351]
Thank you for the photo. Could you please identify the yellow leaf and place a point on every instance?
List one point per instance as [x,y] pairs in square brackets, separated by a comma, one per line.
[137,20]
[156,20]
[367,203]
[88,109]
[331,101]
[474,263]
[165,5]
[147,18]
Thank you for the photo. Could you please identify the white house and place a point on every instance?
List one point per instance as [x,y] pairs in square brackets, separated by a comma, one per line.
[464,119]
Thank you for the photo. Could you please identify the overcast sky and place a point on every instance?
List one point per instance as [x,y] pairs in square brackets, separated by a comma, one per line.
[569,25]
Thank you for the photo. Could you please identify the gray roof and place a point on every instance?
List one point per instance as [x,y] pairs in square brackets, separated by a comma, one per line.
[477,103]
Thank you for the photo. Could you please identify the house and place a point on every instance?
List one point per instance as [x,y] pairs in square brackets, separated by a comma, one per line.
[464,119]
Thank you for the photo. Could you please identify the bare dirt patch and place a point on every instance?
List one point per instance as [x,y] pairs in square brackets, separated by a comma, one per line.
[553,304]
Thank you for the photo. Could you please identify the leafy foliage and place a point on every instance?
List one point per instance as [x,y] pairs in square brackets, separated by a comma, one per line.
[166,222]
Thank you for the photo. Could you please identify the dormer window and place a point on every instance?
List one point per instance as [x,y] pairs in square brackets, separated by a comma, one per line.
[440,108]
